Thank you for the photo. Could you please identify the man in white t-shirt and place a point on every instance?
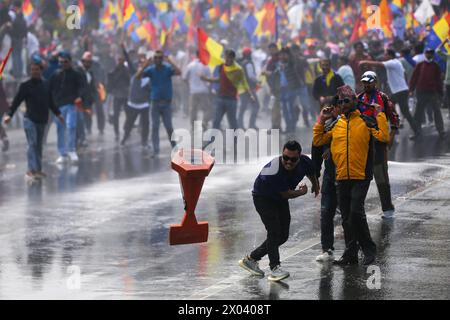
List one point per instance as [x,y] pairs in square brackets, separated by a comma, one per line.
[199,94]
[397,83]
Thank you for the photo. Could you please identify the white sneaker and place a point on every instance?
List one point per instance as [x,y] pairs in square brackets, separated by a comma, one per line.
[389,214]
[61,160]
[325,256]
[73,157]
[251,266]
[278,274]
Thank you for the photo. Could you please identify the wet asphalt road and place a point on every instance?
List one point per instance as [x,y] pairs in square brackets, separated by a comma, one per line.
[105,223]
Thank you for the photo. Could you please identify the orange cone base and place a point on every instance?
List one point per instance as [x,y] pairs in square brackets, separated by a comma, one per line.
[188,233]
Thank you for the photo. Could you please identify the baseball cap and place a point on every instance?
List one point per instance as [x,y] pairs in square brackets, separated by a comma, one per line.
[65,55]
[369,76]
[246,51]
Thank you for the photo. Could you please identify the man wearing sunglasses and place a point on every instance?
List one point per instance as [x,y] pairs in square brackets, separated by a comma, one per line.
[274,186]
[352,153]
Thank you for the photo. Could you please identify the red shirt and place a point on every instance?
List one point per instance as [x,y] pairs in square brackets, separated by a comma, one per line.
[226,88]
[426,78]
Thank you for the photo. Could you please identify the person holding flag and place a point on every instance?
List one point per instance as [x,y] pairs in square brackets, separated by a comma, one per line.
[232,81]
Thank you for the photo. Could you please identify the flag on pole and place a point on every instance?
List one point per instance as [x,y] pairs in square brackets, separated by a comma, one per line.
[81,6]
[397,6]
[210,54]
[364,9]
[439,33]
[424,12]
[28,12]
[386,18]
[130,17]
[210,51]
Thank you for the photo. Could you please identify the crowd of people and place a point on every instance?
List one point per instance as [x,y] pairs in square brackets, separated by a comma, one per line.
[79,76]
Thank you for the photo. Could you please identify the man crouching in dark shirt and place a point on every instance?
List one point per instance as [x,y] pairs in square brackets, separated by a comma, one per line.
[274,186]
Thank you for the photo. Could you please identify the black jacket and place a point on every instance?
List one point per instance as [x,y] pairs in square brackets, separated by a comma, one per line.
[66,86]
[89,89]
[320,88]
[119,81]
[36,94]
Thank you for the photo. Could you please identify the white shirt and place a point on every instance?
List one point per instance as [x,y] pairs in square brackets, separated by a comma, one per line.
[419,58]
[395,75]
[251,72]
[192,75]
[32,43]
[346,73]
[258,57]
[140,106]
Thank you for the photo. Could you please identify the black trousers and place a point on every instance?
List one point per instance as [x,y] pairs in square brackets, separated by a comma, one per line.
[276,217]
[131,116]
[118,104]
[402,99]
[431,100]
[351,196]
[100,114]
[380,173]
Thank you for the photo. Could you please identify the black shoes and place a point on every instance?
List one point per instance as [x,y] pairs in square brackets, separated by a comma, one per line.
[344,261]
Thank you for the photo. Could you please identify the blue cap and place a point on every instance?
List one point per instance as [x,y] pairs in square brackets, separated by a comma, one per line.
[36,58]
[65,55]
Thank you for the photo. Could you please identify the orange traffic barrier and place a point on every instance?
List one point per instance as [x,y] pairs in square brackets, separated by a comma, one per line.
[192,166]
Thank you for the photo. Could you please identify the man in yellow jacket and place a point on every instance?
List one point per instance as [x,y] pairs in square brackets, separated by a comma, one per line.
[352,153]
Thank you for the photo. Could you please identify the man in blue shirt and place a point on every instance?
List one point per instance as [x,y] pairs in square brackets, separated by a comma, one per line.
[160,73]
[274,186]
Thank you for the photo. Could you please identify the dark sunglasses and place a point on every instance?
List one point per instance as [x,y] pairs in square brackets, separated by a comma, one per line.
[293,159]
[346,100]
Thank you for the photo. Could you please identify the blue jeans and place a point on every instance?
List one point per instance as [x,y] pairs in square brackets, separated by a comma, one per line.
[246,103]
[163,110]
[228,106]
[70,116]
[287,100]
[35,135]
